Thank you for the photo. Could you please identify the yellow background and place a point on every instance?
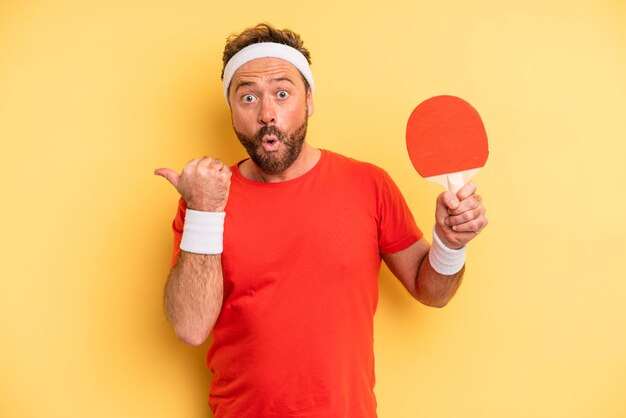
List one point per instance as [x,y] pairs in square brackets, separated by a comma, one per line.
[96,94]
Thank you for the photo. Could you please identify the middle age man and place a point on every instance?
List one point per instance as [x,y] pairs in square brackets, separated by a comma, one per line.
[278,256]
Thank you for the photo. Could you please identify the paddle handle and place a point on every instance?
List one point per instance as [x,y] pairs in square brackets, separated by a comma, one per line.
[454,181]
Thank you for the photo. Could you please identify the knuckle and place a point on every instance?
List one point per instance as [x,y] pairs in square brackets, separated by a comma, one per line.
[216,165]
[201,169]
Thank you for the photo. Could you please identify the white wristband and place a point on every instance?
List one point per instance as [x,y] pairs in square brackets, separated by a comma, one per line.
[445,260]
[203,232]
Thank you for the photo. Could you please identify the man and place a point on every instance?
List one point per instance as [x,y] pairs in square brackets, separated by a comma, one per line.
[278,256]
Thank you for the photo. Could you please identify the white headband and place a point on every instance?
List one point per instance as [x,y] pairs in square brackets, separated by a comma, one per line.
[266,50]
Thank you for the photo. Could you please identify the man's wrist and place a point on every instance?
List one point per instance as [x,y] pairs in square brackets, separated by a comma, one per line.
[203,232]
[443,259]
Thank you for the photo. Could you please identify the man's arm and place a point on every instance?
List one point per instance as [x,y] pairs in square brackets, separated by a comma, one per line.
[193,296]
[459,218]
[194,289]
[412,267]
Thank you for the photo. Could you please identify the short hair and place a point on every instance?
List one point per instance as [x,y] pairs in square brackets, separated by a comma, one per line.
[263,32]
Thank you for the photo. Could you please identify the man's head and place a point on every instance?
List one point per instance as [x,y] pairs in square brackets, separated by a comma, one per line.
[263,33]
[269,88]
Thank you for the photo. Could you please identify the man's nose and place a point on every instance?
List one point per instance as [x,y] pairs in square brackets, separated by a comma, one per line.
[267,111]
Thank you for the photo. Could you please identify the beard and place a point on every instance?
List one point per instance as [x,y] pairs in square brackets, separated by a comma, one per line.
[274,162]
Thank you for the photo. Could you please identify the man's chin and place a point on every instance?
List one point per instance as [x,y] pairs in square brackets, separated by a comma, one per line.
[271,162]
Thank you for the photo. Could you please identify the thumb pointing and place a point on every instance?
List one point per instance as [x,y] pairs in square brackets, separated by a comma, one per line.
[170,175]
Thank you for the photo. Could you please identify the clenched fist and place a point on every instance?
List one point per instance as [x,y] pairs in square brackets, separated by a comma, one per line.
[204,184]
[459,218]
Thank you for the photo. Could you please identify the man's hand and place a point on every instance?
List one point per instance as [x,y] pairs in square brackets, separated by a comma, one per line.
[459,218]
[204,184]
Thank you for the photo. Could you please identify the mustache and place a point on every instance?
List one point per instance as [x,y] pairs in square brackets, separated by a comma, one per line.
[269,130]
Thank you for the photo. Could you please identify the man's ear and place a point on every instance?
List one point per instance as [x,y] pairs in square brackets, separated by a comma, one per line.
[309,102]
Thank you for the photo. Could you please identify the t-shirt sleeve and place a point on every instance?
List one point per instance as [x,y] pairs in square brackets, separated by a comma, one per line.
[177,228]
[397,229]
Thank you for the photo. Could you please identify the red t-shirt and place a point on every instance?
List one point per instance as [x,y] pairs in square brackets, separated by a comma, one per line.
[301,261]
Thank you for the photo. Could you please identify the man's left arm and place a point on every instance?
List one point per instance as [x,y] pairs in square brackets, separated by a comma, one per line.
[459,219]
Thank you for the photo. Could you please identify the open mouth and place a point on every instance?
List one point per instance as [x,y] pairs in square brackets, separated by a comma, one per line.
[270,143]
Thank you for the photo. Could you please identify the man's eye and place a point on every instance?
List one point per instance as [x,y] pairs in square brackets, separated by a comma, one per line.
[248,98]
[283,94]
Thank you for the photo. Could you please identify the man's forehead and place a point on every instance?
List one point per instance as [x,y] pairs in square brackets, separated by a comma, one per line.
[267,67]
[269,57]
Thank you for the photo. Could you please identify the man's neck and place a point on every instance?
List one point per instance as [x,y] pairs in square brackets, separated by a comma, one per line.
[307,159]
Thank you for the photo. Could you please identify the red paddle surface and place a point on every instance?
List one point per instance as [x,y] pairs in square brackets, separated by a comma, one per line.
[445,135]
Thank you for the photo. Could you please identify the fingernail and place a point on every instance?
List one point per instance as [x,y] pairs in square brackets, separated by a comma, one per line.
[454,202]
[446,221]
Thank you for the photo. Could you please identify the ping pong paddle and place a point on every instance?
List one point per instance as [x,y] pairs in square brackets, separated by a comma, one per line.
[446,141]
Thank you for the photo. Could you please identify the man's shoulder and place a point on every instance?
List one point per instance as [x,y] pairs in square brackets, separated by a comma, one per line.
[353,165]
[357,177]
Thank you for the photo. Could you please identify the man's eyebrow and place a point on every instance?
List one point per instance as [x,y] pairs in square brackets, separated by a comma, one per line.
[282,79]
[241,84]
[244,83]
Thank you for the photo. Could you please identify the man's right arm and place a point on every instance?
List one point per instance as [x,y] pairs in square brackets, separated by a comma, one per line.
[194,289]
[193,296]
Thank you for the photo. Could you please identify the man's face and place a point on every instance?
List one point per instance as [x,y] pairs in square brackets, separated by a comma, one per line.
[269,108]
